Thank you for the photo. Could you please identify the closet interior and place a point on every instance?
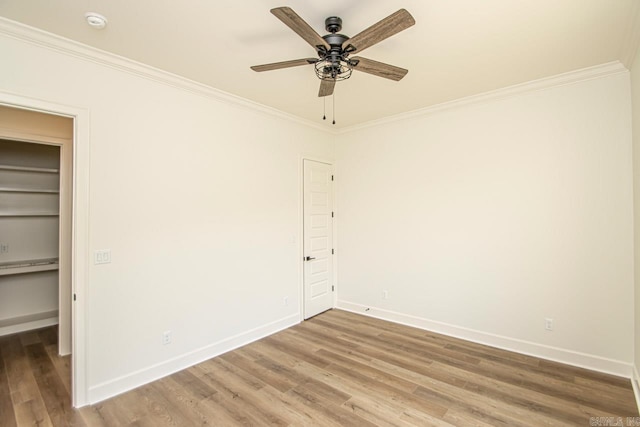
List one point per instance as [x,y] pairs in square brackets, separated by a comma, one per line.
[35,222]
[29,235]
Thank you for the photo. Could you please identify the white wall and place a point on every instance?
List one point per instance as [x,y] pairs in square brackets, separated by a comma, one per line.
[635,98]
[198,200]
[484,220]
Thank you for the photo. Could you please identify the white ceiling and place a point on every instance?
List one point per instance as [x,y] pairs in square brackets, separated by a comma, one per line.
[457,48]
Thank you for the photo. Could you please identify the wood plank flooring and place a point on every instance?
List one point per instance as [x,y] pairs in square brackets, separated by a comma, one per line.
[338,368]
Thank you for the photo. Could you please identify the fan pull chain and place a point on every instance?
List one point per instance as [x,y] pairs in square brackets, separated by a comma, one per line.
[334,107]
[324,108]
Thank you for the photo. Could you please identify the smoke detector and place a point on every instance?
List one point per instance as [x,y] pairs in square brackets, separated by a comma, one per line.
[95,20]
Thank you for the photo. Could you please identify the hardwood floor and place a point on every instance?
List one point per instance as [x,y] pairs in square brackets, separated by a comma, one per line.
[338,368]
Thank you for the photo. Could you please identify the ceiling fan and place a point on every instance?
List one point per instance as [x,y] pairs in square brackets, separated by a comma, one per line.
[334,62]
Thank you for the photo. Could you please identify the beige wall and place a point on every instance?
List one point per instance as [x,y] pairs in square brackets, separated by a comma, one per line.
[635,97]
[198,200]
[483,220]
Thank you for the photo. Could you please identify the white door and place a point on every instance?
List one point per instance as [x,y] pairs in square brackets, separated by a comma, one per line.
[318,238]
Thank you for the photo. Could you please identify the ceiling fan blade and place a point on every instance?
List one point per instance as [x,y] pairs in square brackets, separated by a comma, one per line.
[379,69]
[392,24]
[299,25]
[326,87]
[284,64]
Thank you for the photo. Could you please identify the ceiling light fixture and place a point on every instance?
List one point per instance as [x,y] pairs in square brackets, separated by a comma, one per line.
[327,69]
[95,20]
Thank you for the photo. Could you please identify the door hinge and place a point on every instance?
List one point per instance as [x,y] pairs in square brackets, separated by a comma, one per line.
[74,297]
[331,177]
[332,288]
[331,214]
[332,252]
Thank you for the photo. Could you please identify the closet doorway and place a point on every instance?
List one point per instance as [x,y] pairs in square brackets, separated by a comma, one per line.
[36,152]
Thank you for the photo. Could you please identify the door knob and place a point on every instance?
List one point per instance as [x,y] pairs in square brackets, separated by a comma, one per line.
[309,258]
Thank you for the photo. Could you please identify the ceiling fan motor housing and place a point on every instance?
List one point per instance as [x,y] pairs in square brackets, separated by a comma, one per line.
[333,24]
[334,59]
[335,41]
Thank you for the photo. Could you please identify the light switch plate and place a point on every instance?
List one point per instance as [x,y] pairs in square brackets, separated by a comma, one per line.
[102,256]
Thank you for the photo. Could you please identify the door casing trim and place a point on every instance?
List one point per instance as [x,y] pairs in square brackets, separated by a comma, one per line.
[79,230]
[334,228]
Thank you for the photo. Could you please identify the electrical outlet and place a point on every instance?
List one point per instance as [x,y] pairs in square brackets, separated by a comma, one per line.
[166,337]
[385,294]
[548,324]
[102,256]
[4,248]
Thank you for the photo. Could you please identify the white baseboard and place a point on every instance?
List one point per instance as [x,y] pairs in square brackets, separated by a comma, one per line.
[635,383]
[569,357]
[130,381]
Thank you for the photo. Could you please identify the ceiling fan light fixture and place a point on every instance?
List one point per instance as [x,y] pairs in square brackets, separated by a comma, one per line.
[95,20]
[337,70]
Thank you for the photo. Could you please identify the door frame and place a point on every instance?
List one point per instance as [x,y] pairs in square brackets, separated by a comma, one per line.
[79,230]
[334,228]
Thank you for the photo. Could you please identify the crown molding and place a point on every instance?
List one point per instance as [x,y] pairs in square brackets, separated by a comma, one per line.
[35,36]
[563,79]
[75,49]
